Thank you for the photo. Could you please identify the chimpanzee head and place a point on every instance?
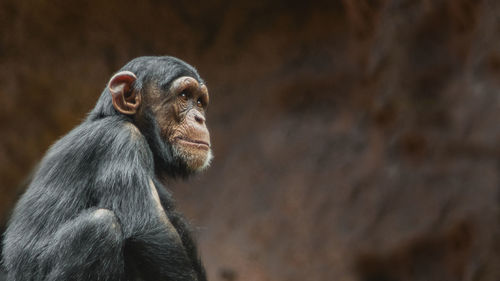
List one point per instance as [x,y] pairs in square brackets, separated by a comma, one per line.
[166,100]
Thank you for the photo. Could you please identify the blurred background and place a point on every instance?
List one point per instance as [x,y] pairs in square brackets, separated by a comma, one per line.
[354,140]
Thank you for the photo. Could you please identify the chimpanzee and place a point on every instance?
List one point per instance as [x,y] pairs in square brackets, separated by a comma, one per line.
[97,207]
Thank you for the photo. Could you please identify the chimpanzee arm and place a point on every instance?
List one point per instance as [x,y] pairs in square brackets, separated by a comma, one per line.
[89,247]
[184,230]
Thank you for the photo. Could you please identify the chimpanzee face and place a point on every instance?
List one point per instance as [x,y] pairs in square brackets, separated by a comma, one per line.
[181,115]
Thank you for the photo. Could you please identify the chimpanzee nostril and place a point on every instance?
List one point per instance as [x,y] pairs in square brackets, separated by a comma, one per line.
[200,119]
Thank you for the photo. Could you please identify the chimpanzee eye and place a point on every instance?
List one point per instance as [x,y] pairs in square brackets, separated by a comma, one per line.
[200,103]
[183,95]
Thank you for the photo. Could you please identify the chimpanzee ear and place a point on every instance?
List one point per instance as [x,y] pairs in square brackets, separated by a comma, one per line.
[125,99]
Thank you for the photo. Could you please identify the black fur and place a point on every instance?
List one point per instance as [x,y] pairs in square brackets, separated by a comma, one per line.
[56,232]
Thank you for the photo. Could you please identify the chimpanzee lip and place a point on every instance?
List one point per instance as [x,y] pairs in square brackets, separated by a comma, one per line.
[196,142]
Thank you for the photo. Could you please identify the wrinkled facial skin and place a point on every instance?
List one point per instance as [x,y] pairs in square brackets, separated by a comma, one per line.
[180,114]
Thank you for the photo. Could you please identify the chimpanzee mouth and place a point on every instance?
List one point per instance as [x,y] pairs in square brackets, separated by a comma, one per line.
[197,143]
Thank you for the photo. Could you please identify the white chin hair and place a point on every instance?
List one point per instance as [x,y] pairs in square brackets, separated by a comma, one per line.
[192,161]
[208,160]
